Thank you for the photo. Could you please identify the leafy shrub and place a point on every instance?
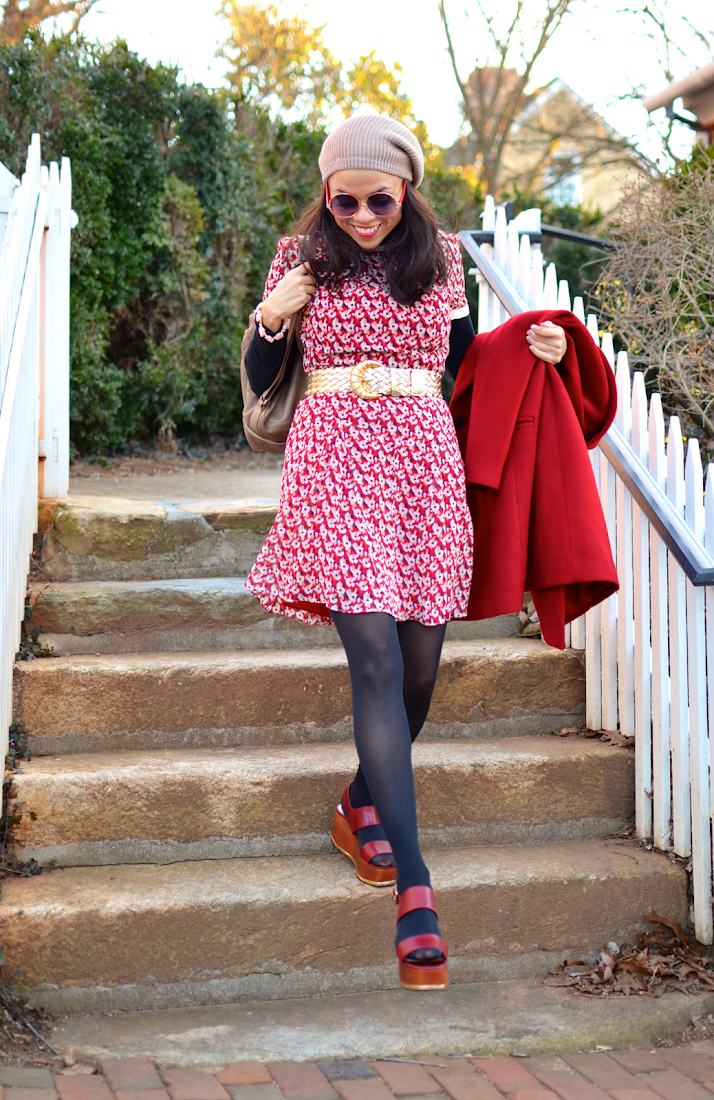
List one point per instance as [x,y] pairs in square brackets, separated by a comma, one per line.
[181,194]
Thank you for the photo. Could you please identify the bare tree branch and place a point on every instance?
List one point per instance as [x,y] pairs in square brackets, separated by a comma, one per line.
[675,38]
[496,93]
[19,17]
[657,22]
[656,289]
[454,63]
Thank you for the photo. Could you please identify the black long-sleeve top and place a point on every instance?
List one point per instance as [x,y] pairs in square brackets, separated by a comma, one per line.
[263,359]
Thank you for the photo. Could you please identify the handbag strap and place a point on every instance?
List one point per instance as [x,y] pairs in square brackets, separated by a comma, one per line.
[293,336]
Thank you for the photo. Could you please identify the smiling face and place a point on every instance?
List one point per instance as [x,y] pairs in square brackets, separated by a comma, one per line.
[366,228]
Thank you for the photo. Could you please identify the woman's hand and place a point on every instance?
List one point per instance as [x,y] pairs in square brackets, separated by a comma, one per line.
[292,292]
[547,341]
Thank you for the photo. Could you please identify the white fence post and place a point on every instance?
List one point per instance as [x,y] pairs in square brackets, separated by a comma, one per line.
[608,618]
[625,624]
[709,612]
[537,292]
[679,708]
[485,294]
[699,741]
[500,258]
[641,617]
[593,644]
[661,726]
[54,376]
[550,288]
[8,183]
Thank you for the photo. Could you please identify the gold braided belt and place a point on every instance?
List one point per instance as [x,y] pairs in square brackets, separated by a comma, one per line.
[372,379]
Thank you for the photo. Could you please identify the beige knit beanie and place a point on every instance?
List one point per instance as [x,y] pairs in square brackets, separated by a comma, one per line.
[377,142]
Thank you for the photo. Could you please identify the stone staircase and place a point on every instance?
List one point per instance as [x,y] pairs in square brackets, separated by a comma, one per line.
[188,752]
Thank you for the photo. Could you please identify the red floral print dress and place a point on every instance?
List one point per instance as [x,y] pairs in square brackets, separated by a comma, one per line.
[373,513]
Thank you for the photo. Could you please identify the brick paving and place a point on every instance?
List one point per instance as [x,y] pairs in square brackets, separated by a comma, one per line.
[677,1073]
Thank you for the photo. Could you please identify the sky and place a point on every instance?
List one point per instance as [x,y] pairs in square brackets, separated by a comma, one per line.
[599,51]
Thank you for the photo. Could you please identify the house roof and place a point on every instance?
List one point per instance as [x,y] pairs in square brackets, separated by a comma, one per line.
[698,81]
[543,95]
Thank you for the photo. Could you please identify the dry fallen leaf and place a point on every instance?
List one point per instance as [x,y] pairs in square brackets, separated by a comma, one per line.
[614,737]
[678,931]
[665,958]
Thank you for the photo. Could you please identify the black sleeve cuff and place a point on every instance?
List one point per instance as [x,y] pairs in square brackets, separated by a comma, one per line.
[263,360]
[460,337]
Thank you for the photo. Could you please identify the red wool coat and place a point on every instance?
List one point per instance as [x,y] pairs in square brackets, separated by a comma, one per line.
[524,428]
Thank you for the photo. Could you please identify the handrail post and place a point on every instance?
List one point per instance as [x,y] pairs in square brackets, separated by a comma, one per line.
[54,367]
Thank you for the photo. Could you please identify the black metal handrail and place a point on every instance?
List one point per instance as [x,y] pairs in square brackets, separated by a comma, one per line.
[670,525]
[486,236]
[504,290]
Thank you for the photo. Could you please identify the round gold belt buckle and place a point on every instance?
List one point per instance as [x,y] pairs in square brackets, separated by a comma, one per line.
[358,380]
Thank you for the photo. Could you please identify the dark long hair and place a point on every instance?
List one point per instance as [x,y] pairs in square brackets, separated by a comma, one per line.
[414,257]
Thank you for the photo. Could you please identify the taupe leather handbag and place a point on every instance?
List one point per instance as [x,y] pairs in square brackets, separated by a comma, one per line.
[267,417]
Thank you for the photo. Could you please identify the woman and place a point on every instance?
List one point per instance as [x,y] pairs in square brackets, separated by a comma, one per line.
[373,531]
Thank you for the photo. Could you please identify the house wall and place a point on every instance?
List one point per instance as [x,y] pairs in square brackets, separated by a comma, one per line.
[559,133]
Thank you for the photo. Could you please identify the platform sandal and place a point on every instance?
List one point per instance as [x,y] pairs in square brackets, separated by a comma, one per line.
[420,975]
[348,820]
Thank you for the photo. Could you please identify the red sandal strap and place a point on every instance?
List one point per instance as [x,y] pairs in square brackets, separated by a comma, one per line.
[414,943]
[359,817]
[375,848]
[416,897]
[362,816]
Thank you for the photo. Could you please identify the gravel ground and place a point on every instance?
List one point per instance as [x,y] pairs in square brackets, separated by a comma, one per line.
[236,475]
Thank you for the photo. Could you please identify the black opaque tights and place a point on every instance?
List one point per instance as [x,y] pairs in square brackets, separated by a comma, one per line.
[393,668]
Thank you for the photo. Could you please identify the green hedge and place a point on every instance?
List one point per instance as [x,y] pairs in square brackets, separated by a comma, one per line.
[181,194]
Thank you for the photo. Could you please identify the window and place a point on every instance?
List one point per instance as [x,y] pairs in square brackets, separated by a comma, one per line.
[563,180]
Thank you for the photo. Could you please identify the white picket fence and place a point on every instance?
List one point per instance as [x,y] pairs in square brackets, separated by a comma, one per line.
[35,222]
[649,649]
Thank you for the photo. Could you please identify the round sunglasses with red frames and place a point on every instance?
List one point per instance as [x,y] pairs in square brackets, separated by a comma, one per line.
[381,203]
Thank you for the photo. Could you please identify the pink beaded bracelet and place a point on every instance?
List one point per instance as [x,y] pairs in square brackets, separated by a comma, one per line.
[258,315]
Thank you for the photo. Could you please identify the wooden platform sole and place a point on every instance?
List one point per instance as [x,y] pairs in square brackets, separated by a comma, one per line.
[424,976]
[346,842]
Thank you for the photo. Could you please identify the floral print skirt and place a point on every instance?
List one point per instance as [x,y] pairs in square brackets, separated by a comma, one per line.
[372,515]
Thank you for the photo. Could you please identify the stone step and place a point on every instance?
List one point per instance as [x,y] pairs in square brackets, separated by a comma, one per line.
[511,686]
[98,939]
[130,807]
[107,538]
[480,1018]
[186,616]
